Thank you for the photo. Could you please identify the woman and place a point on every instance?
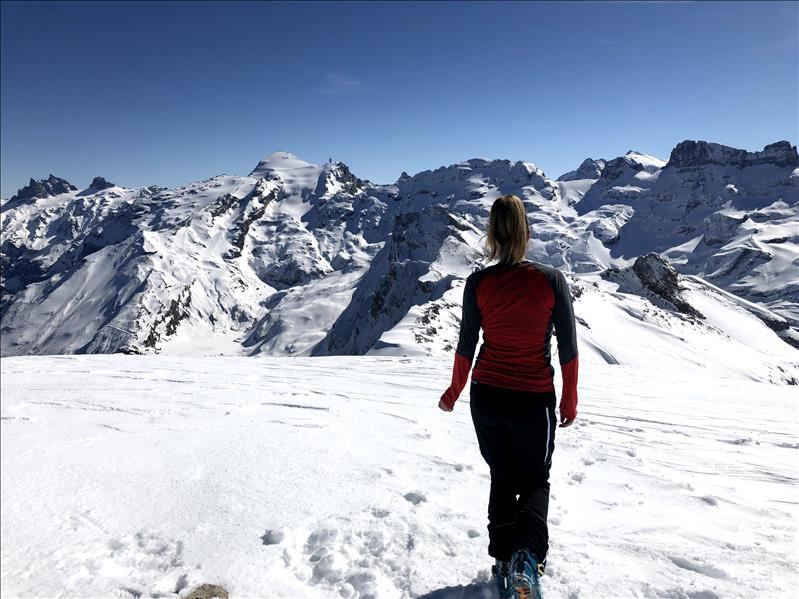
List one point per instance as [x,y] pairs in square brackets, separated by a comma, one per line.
[516,302]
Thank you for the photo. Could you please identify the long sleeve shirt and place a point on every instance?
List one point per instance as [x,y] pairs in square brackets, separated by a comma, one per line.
[517,307]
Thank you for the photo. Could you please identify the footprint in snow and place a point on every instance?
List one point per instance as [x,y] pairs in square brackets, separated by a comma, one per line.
[740,441]
[679,592]
[156,563]
[705,569]
[576,477]
[415,497]
[357,559]
[273,536]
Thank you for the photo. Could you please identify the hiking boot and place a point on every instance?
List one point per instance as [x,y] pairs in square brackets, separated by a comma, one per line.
[525,572]
[501,572]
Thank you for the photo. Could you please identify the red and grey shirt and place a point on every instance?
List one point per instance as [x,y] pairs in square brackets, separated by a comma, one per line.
[517,307]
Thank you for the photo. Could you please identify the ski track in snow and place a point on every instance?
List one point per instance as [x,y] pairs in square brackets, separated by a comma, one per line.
[132,476]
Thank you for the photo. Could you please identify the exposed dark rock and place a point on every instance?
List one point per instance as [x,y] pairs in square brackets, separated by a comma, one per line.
[110,232]
[177,311]
[150,192]
[255,204]
[350,182]
[338,173]
[721,227]
[99,183]
[745,261]
[615,168]
[19,267]
[222,204]
[657,275]
[207,591]
[43,188]
[702,153]
[575,288]
[656,278]
[431,311]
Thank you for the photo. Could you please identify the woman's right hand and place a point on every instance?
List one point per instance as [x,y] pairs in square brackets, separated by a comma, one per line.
[564,421]
[447,401]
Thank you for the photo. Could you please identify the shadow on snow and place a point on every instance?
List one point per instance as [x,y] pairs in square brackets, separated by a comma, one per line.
[482,590]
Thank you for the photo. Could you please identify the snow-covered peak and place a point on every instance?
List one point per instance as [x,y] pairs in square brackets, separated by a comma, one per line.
[702,153]
[336,177]
[589,169]
[649,163]
[475,178]
[499,165]
[97,184]
[280,161]
[629,164]
[527,168]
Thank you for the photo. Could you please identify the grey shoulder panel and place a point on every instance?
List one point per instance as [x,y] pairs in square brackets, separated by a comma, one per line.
[562,313]
[470,318]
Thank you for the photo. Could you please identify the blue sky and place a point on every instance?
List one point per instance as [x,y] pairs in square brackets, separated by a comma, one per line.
[167,93]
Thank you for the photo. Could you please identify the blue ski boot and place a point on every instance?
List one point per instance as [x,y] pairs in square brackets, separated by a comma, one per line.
[501,572]
[525,572]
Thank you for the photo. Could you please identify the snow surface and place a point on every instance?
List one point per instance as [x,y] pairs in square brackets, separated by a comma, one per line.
[140,476]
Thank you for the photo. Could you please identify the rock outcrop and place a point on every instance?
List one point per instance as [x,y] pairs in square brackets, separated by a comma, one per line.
[702,153]
[653,277]
[43,188]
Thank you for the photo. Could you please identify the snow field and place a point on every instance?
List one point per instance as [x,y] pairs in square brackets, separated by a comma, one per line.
[145,476]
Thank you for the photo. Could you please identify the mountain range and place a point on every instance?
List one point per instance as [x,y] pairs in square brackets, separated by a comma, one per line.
[693,259]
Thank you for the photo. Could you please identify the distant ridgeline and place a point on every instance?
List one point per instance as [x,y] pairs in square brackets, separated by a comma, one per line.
[304,259]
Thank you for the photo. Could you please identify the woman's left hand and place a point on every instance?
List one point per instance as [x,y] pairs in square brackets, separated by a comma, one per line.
[443,406]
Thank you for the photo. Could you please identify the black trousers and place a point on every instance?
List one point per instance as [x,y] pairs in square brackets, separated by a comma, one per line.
[516,434]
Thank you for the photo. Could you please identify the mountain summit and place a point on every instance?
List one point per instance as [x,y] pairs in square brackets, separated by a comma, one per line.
[280,161]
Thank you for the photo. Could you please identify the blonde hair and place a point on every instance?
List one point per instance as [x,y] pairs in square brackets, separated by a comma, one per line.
[507,230]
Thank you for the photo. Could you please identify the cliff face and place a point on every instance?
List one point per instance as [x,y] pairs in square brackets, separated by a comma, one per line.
[702,153]
[41,189]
